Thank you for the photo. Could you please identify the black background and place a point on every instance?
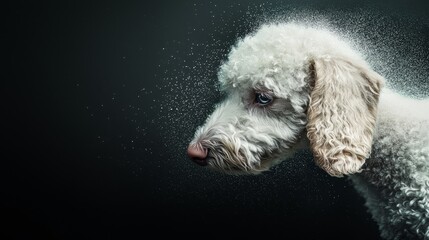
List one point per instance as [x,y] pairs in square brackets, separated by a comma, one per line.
[94,146]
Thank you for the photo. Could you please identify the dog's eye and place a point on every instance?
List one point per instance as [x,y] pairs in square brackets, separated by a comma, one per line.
[263,99]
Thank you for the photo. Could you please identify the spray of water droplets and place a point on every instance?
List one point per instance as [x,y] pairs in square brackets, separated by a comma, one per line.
[396,47]
[393,49]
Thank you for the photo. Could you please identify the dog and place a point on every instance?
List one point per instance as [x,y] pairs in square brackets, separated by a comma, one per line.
[291,86]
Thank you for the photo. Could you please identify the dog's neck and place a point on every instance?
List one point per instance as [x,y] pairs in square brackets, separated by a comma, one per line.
[398,113]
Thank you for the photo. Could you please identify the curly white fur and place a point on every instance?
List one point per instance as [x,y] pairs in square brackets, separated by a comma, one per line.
[325,98]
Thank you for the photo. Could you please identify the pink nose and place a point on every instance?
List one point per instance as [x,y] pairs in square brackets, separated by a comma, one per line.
[198,154]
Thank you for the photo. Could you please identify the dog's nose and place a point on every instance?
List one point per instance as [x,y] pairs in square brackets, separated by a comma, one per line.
[198,154]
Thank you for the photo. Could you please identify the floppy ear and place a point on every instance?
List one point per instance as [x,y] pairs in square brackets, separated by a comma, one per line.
[342,114]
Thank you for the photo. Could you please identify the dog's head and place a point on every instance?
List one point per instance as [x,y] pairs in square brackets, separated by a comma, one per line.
[287,84]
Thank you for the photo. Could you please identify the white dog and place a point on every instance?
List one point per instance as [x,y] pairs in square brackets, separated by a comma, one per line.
[290,86]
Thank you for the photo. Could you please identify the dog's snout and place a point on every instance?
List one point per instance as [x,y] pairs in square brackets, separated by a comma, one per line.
[198,154]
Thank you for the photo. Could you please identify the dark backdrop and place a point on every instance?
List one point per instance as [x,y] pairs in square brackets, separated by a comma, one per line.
[101,99]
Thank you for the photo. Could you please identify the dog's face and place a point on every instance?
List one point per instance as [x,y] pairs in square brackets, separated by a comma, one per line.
[254,127]
[280,92]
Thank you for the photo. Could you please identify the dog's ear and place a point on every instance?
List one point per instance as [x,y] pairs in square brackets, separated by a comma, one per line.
[342,114]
